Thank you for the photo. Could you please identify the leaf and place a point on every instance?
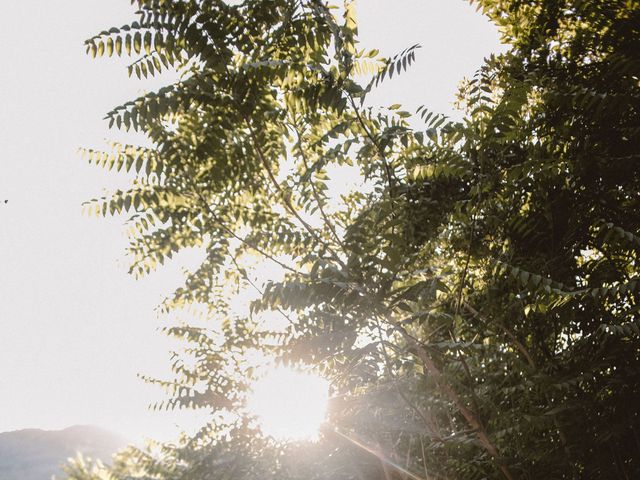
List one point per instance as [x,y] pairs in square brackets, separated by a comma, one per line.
[137,40]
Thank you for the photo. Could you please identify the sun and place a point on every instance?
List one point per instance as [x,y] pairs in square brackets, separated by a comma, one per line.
[289,405]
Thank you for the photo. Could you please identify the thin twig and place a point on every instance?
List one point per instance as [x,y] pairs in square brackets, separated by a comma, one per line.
[381,153]
[316,195]
[401,394]
[521,348]
[285,200]
[244,275]
[244,241]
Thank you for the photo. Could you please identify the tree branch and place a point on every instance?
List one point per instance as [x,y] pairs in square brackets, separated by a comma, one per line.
[385,163]
[471,418]
[244,241]
[316,195]
[285,200]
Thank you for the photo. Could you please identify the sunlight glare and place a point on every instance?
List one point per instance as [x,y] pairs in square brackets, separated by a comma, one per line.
[290,405]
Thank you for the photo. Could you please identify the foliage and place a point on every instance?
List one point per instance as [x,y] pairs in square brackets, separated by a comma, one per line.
[474,305]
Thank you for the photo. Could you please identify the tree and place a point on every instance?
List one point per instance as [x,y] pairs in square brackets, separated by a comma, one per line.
[474,306]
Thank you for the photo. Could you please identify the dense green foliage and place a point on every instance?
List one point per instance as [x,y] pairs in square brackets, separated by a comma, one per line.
[474,305]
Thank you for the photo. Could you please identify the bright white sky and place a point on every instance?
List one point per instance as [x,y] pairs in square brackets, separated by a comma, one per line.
[75,329]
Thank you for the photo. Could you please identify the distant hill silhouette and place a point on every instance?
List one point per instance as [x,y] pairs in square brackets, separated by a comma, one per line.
[34,454]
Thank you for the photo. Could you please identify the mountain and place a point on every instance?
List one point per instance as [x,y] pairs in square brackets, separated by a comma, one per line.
[34,454]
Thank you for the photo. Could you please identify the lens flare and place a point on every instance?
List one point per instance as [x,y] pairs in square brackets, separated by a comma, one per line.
[289,405]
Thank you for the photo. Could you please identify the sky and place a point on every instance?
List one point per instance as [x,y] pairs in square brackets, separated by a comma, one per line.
[75,329]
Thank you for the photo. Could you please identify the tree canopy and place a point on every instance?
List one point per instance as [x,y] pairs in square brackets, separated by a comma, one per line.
[473,303]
